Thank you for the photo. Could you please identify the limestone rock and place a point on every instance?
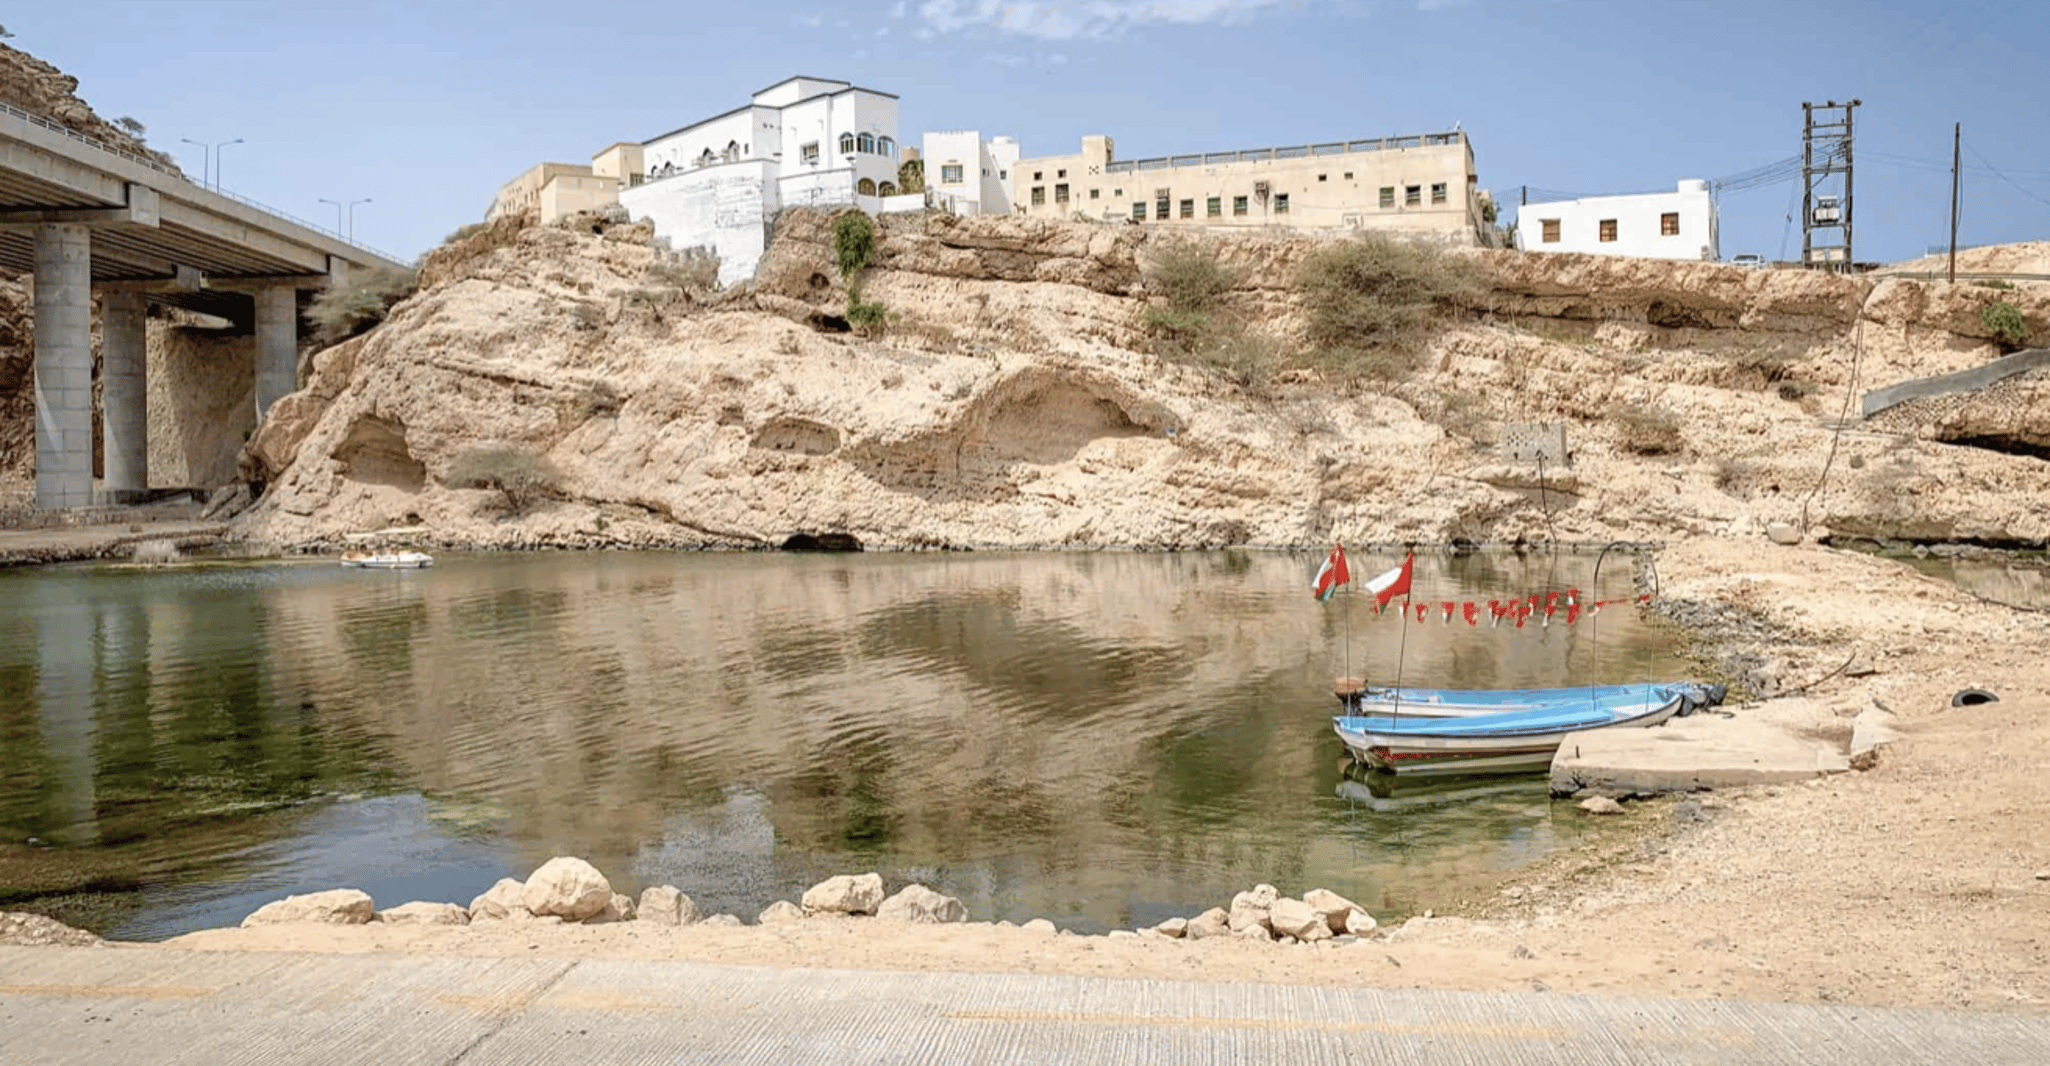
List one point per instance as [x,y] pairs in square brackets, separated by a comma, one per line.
[1293,917]
[1254,932]
[506,899]
[1782,533]
[722,921]
[1213,922]
[568,887]
[619,909]
[1601,805]
[1174,927]
[1250,908]
[1039,927]
[418,913]
[666,905]
[845,894]
[1360,924]
[921,905]
[779,913]
[1333,907]
[341,906]
[1122,934]
[34,930]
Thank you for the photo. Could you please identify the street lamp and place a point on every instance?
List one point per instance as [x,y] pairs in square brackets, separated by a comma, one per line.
[205,159]
[352,217]
[217,160]
[348,234]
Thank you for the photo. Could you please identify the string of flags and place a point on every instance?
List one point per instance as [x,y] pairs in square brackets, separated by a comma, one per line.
[1567,606]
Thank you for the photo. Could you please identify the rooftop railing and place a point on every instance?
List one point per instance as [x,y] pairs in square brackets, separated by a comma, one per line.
[1301,151]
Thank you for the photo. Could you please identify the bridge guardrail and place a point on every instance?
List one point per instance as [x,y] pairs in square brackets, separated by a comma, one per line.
[91,142]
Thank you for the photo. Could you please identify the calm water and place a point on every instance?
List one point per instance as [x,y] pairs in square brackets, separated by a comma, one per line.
[1102,739]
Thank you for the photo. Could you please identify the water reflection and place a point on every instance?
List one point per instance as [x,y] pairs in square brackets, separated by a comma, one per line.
[1101,739]
[2010,581]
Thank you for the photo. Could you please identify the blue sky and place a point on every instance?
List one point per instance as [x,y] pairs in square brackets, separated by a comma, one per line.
[427,106]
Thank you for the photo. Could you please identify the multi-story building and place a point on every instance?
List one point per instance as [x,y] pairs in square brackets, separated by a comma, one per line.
[718,182]
[968,175]
[1423,184]
[1665,225]
[536,191]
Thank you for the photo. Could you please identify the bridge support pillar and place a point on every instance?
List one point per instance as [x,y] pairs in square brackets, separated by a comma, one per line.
[64,365]
[277,346]
[124,396]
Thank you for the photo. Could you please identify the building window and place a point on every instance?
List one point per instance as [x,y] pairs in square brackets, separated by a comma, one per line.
[1060,173]
[866,144]
[887,188]
[1412,195]
[886,146]
[1323,177]
[1160,204]
[1038,195]
[1214,207]
[1138,210]
[1060,193]
[1238,205]
[1608,230]
[1669,224]
[1438,192]
[1119,193]
[1348,175]
[950,173]
[808,153]
[1094,193]
[1036,175]
[846,144]
[1550,228]
[866,187]
[1281,203]
[1387,196]
[1188,209]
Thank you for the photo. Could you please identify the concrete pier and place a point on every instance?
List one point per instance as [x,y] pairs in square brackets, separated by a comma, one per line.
[124,396]
[277,346]
[64,365]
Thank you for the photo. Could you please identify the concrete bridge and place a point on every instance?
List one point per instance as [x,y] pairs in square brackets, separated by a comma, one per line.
[82,215]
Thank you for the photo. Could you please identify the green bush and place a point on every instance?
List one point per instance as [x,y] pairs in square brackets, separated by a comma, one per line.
[1995,283]
[1647,429]
[2004,320]
[911,176]
[361,300]
[521,473]
[1189,277]
[854,238]
[865,315]
[1373,302]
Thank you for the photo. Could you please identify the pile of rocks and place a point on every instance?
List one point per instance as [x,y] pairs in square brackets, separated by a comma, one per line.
[1263,914]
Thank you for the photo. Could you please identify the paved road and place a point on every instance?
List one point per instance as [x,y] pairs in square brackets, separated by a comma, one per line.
[60,1006]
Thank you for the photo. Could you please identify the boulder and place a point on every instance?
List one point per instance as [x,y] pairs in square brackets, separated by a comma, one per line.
[1254,932]
[1293,917]
[845,894]
[1782,533]
[1360,924]
[1601,805]
[417,913]
[1173,927]
[1334,907]
[567,887]
[666,905]
[1040,927]
[506,899]
[34,930]
[1250,908]
[921,905]
[723,921]
[779,913]
[1213,922]
[1122,934]
[341,906]
[619,909]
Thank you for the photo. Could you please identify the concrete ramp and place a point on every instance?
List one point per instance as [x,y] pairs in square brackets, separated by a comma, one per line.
[1690,754]
[1977,377]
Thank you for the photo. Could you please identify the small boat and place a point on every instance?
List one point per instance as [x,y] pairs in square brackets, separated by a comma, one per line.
[400,560]
[1360,699]
[1513,742]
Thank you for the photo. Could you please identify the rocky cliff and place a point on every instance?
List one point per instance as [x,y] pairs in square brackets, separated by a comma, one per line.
[1014,400]
[41,89]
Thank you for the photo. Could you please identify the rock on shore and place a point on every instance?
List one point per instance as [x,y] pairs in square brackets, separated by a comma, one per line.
[341,906]
[919,904]
[845,894]
[569,888]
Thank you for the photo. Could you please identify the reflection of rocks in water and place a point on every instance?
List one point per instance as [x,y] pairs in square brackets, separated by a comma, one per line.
[2003,582]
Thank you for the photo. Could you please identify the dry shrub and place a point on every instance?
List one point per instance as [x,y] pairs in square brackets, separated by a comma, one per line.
[1188,275]
[521,473]
[360,301]
[693,270]
[1463,414]
[1191,324]
[1374,302]
[1647,429]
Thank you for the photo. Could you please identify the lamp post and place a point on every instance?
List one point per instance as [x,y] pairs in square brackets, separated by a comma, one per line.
[352,217]
[347,211]
[217,160]
[338,213]
[205,159]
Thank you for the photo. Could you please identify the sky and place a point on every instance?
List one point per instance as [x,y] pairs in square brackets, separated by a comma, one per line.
[425,107]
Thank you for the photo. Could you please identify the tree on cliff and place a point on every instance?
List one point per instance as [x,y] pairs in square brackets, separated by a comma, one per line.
[521,473]
[911,176]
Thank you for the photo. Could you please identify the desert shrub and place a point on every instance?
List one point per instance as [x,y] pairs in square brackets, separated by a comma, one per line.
[1463,414]
[1995,283]
[1188,275]
[691,270]
[911,176]
[359,301]
[2004,320]
[866,315]
[464,233]
[1372,302]
[521,473]
[854,239]
[1647,429]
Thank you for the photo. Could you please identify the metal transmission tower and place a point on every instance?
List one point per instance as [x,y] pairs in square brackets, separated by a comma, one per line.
[1825,153]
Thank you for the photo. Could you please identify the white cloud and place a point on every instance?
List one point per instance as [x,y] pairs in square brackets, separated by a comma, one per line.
[883,32]
[924,33]
[1058,59]
[897,10]
[813,19]
[1067,20]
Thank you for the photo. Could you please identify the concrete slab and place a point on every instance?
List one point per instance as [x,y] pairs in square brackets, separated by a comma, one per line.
[1690,754]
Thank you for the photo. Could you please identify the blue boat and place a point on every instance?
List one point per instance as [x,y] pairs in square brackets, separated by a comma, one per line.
[1512,742]
[1407,701]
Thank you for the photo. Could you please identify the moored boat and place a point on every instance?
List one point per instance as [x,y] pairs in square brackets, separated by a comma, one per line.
[399,560]
[1513,742]
[1411,701]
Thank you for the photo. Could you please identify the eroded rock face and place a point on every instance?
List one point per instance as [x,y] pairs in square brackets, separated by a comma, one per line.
[418,913]
[341,906]
[568,888]
[845,894]
[923,906]
[505,899]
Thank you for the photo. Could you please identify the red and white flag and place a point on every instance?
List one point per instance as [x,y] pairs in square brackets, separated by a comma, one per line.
[1386,587]
[1331,575]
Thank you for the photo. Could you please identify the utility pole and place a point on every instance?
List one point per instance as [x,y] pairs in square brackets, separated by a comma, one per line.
[1957,140]
[1825,152]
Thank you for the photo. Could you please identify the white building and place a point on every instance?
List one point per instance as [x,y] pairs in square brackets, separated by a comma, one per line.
[1667,225]
[968,175]
[718,183]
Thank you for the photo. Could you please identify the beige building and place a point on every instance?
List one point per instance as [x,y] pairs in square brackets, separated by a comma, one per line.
[1424,183]
[550,191]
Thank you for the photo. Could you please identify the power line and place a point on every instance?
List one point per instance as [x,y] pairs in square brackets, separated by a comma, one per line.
[2010,181]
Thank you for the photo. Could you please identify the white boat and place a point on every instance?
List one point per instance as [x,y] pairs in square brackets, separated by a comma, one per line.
[401,560]
[1516,742]
[1360,699]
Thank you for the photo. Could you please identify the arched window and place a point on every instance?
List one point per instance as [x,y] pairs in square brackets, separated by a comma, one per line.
[846,144]
[866,144]
[707,158]
[886,146]
[865,187]
[888,188]
[732,151]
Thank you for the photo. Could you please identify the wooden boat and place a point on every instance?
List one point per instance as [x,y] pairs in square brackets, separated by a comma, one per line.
[1409,701]
[1514,742]
[399,560]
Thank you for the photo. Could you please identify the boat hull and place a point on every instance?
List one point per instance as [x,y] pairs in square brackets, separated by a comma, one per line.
[1468,703]
[403,561]
[1421,753]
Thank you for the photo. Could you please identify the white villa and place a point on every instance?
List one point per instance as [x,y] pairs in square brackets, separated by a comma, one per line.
[719,182]
[967,175]
[1668,225]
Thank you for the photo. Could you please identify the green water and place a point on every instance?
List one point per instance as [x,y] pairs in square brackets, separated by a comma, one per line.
[1102,739]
